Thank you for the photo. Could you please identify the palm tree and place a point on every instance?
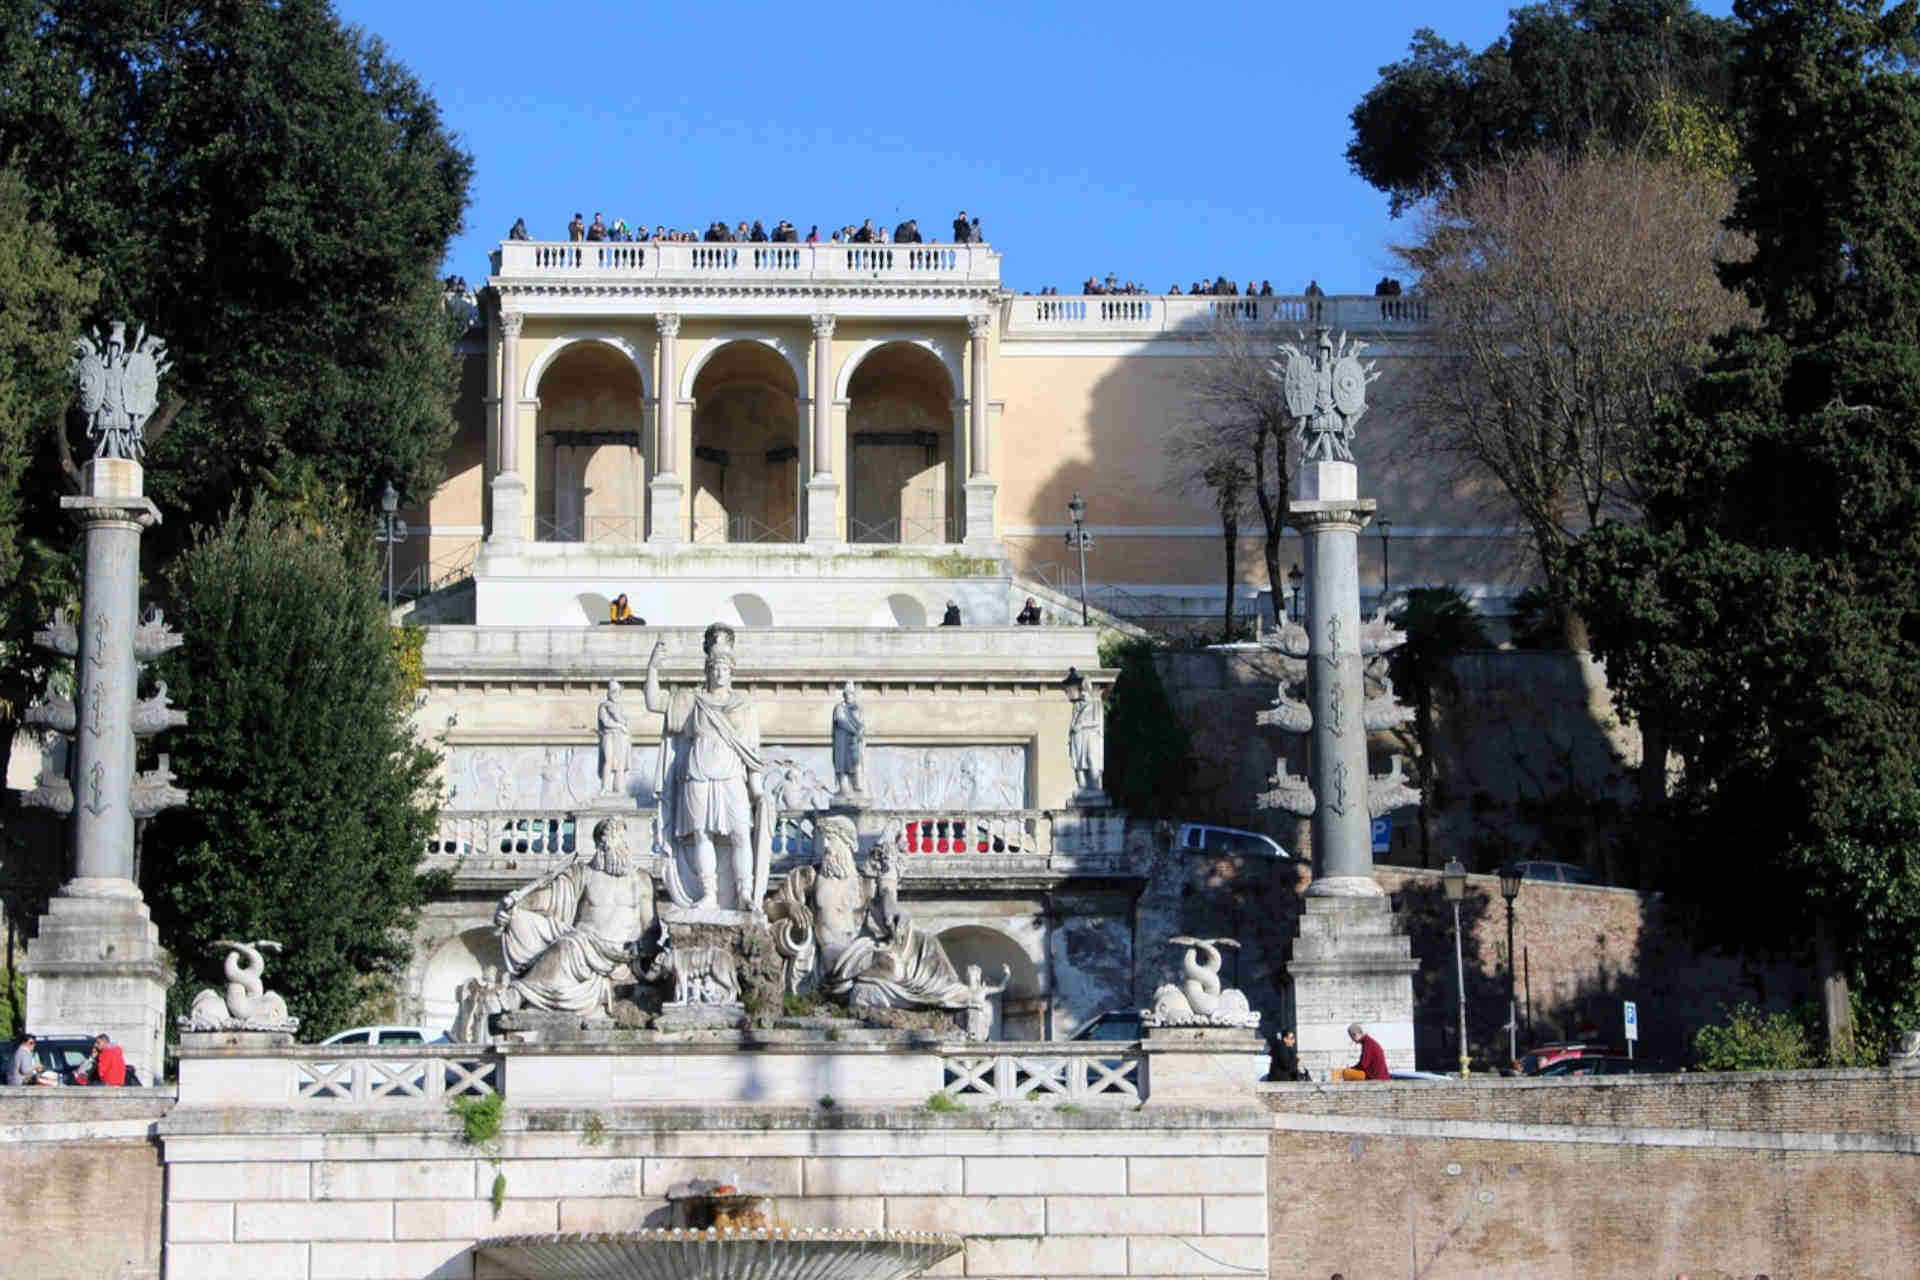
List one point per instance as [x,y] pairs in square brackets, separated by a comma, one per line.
[1440,623]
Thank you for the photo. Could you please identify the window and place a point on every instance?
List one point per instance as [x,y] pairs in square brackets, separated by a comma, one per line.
[402,1035]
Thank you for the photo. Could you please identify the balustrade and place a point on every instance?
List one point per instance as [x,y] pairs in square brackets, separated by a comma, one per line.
[1196,314]
[424,1073]
[1081,1073]
[656,259]
[504,834]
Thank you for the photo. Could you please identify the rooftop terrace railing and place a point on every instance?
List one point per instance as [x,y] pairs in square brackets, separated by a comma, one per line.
[782,263]
[1194,316]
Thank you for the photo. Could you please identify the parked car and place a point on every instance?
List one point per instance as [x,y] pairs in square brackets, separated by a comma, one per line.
[1197,837]
[386,1035]
[1555,872]
[1542,1056]
[62,1055]
[1605,1065]
[1114,1024]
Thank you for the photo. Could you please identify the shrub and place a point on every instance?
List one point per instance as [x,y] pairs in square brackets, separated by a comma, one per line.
[1753,1039]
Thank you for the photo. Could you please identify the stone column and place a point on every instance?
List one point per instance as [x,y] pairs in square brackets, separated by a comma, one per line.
[666,485]
[980,485]
[823,490]
[509,530]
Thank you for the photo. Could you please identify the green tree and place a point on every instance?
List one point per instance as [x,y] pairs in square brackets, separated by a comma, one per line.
[1566,73]
[1768,610]
[311,797]
[1440,624]
[274,194]
[1149,760]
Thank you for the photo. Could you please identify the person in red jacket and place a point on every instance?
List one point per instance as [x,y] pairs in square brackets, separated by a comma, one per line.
[108,1065]
[1373,1059]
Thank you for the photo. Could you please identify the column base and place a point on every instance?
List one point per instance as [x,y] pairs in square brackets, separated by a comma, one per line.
[1351,963]
[509,529]
[97,965]
[823,512]
[666,495]
[981,495]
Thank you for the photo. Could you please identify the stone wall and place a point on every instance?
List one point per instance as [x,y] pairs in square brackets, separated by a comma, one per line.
[1811,1177]
[82,1183]
[1040,1193]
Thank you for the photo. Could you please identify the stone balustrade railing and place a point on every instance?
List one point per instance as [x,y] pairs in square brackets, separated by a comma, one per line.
[785,263]
[1045,1071]
[1184,316]
[364,1075]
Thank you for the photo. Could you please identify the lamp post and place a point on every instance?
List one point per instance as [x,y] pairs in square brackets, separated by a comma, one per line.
[392,530]
[1454,877]
[1386,559]
[1079,539]
[1510,889]
[1296,580]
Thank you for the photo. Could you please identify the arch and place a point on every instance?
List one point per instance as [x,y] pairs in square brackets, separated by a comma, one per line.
[898,610]
[776,343]
[591,447]
[902,447]
[989,948]
[530,388]
[750,610]
[465,955]
[948,354]
[746,483]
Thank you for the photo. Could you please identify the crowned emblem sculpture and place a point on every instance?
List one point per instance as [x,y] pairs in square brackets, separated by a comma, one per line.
[119,388]
[1326,392]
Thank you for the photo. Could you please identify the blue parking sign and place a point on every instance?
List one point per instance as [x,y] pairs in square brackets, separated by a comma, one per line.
[1383,835]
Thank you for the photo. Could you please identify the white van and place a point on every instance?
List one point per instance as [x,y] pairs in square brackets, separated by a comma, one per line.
[1198,838]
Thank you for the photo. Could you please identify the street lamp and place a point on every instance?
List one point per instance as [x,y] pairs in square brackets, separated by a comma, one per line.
[1296,580]
[1454,877]
[1079,539]
[1510,889]
[1386,560]
[392,530]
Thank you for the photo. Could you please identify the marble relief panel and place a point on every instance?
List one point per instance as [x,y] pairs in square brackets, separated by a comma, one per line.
[898,777]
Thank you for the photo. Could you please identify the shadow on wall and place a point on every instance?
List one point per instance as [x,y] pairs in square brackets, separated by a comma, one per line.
[1256,902]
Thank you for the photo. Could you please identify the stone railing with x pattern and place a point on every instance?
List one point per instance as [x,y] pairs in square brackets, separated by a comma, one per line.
[401,1073]
[1044,1071]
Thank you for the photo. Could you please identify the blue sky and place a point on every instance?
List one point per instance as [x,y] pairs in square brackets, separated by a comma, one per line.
[1162,143]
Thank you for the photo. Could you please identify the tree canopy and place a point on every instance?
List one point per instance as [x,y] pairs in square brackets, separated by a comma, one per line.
[311,798]
[1769,606]
[1566,73]
[274,194]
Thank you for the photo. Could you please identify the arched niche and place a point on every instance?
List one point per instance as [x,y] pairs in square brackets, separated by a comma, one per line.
[898,610]
[901,447]
[462,957]
[746,483]
[590,467]
[1019,1012]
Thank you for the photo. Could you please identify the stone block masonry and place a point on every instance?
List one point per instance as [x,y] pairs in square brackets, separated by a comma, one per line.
[1036,1191]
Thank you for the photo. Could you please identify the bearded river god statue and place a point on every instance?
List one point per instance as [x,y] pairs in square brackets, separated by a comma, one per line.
[563,935]
[844,935]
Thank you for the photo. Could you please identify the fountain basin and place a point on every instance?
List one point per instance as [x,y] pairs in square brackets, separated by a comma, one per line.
[750,1253]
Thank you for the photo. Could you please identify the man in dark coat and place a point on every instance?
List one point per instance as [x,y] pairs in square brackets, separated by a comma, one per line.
[907,232]
[962,229]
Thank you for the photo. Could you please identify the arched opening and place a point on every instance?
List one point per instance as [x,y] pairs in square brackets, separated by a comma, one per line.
[898,610]
[454,962]
[750,610]
[590,471]
[746,447]
[1020,1012]
[900,443]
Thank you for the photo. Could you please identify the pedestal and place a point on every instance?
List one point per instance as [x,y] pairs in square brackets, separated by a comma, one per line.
[1351,963]
[823,511]
[96,965]
[666,493]
[1201,1066]
[979,537]
[509,529]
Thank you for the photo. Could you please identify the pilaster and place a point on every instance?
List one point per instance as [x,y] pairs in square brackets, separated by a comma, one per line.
[823,489]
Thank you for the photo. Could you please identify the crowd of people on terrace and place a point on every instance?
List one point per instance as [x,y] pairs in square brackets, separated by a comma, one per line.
[1220,288]
[965,231]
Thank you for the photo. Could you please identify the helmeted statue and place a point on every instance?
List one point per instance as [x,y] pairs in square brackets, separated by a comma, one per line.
[1326,393]
[1086,735]
[119,388]
[849,744]
[616,742]
[712,784]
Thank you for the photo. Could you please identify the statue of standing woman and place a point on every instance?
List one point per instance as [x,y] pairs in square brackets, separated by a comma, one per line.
[849,746]
[616,742]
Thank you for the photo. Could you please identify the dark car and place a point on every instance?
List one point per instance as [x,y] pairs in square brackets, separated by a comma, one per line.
[62,1055]
[1537,1059]
[1605,1065]
[1114,1024]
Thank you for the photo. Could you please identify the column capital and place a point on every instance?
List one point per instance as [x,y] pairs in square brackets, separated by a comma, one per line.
[510,322]
[668,323]
[979,327]
[823,326]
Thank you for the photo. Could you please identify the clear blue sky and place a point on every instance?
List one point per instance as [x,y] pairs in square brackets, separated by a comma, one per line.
[1160,142]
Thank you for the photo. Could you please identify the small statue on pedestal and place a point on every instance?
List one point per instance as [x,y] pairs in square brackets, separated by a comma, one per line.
[616,742]
[1086,739]
[849,747]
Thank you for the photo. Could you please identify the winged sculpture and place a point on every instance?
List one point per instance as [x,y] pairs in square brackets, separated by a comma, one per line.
[1326,393]
[119,388]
